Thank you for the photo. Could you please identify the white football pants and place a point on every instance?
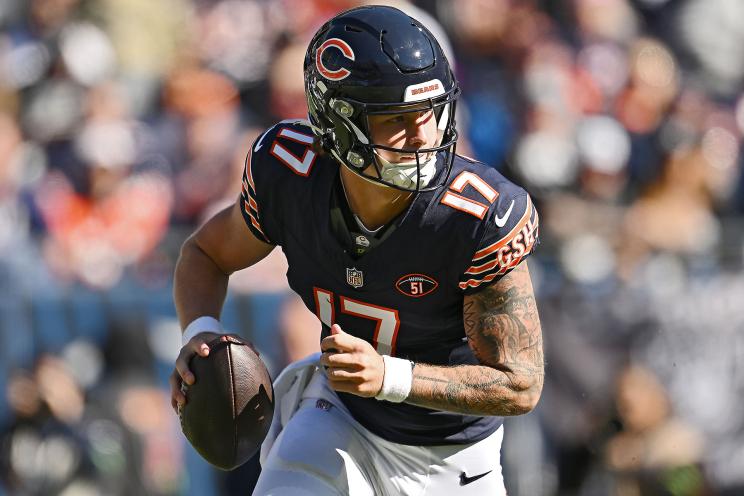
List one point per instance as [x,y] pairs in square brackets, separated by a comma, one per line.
[322,450]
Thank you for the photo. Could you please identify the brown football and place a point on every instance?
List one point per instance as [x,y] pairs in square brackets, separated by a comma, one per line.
[229,408]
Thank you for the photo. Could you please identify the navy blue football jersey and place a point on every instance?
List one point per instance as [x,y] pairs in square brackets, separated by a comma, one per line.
[405,296]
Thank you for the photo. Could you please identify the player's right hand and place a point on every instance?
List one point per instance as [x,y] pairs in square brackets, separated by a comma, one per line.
[181,373]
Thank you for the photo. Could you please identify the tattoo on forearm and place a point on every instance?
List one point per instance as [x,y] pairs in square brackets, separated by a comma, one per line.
[432,379]
[468,314]
[471,389]
[503,329]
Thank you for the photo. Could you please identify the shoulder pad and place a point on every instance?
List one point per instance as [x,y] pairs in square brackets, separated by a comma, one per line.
[283,151]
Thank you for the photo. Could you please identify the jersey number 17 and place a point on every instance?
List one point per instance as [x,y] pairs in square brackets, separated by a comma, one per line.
[387,320]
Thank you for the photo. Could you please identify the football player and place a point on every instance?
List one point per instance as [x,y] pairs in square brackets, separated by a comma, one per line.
[411,256]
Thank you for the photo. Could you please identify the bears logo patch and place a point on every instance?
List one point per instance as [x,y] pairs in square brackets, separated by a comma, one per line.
[416,285]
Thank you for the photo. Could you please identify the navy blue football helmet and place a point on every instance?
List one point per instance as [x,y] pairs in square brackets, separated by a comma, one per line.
[378,60]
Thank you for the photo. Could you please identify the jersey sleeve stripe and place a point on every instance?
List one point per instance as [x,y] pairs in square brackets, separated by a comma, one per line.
[479,269]
[477,282]
[254,225]
[248,171]
[500,270]
[252,203]
[491,276]
[484,252]
[489,263]
[248,195]
[254,222]
[501,261]
[249,204]
[249,190]
[249,187]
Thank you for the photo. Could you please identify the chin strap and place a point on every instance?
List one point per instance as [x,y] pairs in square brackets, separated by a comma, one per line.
[403,174]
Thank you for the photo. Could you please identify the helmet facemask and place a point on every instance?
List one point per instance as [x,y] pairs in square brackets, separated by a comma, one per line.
[350,132]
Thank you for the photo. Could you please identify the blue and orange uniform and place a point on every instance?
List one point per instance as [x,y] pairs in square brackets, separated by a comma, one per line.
[402,287]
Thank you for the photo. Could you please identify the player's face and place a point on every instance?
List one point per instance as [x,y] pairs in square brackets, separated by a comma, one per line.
[410,131]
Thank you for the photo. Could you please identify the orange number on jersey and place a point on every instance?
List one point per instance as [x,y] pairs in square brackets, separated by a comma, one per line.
[388,322]
[467,205]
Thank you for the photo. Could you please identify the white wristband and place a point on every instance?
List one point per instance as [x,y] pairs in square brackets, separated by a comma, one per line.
[202,324]
[397,381]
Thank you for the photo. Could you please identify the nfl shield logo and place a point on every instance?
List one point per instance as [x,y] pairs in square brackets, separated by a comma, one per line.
[354,277]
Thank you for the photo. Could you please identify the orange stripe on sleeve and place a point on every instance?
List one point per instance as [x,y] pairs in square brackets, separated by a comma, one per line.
[479,269]
[253,203]
[254,221]
[477,282]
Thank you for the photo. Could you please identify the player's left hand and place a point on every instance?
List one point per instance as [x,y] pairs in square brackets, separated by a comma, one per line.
[352,364]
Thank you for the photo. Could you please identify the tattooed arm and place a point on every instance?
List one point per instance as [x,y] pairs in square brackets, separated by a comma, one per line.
[503,329]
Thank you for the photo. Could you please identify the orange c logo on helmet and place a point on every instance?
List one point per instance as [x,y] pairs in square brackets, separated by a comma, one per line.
[347,52]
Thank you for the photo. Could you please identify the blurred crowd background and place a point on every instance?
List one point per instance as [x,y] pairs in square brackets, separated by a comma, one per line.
[124,125]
